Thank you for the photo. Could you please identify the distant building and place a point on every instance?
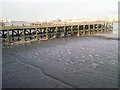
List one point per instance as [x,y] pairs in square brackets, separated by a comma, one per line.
[56,20]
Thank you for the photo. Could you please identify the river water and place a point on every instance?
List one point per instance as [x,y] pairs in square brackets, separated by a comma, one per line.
[71,62]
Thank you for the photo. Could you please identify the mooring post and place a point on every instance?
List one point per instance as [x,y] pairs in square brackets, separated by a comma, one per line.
[36,34]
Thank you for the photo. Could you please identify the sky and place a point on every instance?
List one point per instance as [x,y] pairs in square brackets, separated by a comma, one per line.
[36,10]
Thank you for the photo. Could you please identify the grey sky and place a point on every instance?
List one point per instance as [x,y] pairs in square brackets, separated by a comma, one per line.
[33,10]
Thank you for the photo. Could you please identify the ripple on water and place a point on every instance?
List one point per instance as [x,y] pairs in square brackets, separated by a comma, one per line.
[58,56]
[113,61]
[90,55]
[37,54]
[101,62]
[83,56]
[76,57]
[69,52]
[60,59]
[83,61]
[94,65]
[49,54]
[97,55]
[104,42]
[83,48]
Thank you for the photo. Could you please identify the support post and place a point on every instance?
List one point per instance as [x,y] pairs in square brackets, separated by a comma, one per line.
[64,31]
[102,29]
[105,27]
[23,33]
[89,32]
[3,36]
[83,29]
[56,29]
[97,28]
[78,27]
[46,33]
[30,33]
[112,28]
[13,35]
[93,31]
[8,37]
[18,35]
[109,27]
[36,34]
[71,30]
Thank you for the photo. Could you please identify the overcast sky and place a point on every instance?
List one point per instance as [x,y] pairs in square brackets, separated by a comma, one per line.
[33,10]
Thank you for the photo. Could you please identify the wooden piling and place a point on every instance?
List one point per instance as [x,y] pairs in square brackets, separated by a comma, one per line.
[78,31]
[8,37]
[47,33]
[56,29]
[23,34]
[71,30]
[89,30]
[83,29]
[36,33]
[64,31]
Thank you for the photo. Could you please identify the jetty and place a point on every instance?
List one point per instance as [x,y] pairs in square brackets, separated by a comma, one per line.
[45,31]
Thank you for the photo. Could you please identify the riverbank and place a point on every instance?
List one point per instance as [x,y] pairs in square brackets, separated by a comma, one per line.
[109,36]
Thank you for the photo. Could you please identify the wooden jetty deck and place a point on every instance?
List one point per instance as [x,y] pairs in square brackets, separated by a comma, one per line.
[23,34]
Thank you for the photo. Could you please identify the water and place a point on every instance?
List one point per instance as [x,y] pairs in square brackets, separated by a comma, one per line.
[71,62]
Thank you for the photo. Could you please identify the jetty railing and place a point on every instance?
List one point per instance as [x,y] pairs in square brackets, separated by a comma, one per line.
[11,34]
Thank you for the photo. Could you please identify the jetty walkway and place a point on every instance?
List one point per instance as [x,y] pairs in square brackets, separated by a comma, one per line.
[12,34]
